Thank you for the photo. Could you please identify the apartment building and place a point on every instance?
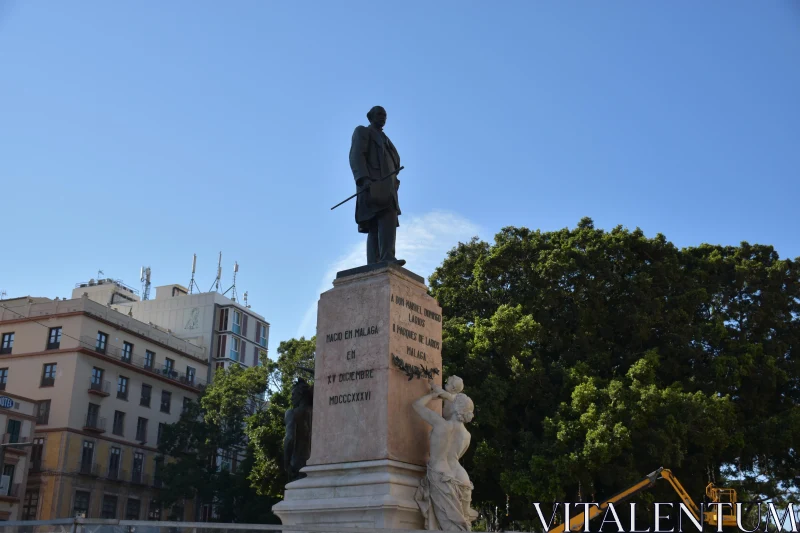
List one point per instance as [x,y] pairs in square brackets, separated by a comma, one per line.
[104,385]
[17,421]
[232,333]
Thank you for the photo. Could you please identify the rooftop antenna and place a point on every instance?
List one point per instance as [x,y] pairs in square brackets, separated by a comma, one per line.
[235,270]
[144,274]
[215,285]
[100,273]
[3,294]
[247,305]
[193,283]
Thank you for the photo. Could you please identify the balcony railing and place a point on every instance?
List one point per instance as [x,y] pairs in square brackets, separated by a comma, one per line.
[87,468]
[11,438]
[139,478]
[140,362]
[48,382]
[100,388]
[114,473]
[12,492]
[95,423]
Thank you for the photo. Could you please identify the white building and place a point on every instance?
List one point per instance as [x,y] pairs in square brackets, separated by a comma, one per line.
[230,332]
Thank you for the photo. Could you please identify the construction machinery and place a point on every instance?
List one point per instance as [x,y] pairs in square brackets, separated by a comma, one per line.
[713,494]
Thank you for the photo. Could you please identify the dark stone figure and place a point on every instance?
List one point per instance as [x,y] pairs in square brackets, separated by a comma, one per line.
[373,156]
[297,442]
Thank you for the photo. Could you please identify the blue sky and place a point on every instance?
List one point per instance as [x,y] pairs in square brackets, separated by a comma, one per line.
[139,133]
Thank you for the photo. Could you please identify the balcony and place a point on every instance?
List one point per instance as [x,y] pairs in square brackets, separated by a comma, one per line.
[95,424]
[139,478]
[115,474]
[86,468]
[47,382]
[12,495]
[9,438]
[99,388]
[5,351]
[143,363]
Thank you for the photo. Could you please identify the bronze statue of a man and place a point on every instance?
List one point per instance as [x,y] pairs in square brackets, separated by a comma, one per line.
[372,157]
[297,442]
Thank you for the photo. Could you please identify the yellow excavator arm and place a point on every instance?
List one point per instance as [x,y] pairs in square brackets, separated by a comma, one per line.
[715,494]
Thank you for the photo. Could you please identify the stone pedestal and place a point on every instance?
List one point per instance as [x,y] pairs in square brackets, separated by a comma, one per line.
[378,341]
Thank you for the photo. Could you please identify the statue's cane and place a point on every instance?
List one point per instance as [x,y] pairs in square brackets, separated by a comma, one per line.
[387,176]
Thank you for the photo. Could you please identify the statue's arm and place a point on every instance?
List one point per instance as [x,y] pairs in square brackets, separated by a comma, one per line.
[431,417]
[358,153]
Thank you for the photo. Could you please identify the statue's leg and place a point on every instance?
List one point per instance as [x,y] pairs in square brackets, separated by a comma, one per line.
[387,234]
[373,244]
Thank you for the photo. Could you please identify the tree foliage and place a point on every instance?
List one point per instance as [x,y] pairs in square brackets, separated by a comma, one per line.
[240,414]
[596,357]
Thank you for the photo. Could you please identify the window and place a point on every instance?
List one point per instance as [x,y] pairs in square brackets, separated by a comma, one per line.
[54,339]
[93,419]
[261,334]
[109,506]
[155,511]
[122,388]
[160,432]
[127,352]
[237,322]
[186,402]
[119,423]
[166,400]
[221,346]
[30,505]
[146,391]
[8,471]
[13,429]
[87,457]
[132,508]
[141,430]
[81,506]
[234,349]
[37,452]
[157,481]
[96,384]
[223,319]
[169,365]
[149,359]
[114,460]
[43,412]
[138,464]
[102,342]
[3,378]
[8,343]
[190,375]
[48,375]
[256,353]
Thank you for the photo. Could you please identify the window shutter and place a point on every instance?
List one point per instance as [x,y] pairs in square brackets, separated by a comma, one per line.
[222,338]
[255,355]
[221,314]
[243,353]
[244,325]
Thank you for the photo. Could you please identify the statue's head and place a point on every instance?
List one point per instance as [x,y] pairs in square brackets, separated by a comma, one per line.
[301,393]
[454,384]
[377,116]
[461,409]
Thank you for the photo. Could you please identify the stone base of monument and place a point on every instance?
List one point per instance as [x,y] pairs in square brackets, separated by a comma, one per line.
[373,494]
[378,342]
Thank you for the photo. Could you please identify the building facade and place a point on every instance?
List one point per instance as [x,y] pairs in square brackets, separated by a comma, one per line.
[18,421]
[232,333]
[104,385]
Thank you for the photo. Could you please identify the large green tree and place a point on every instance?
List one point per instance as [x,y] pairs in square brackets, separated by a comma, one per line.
[595,357]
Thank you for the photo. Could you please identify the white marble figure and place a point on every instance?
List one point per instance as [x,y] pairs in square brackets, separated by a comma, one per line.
[445,493]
